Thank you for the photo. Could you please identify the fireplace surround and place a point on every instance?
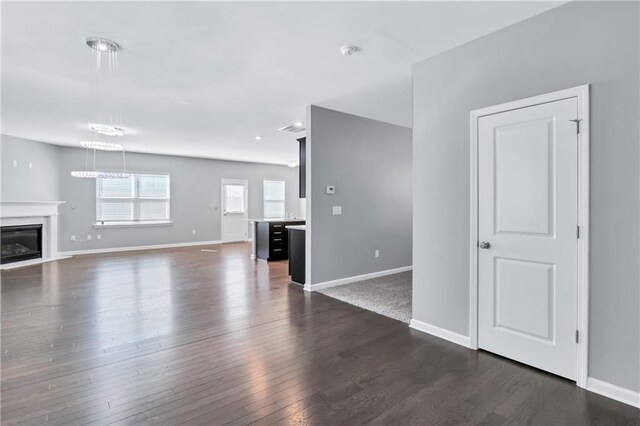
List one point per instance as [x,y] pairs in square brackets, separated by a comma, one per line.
[42,214]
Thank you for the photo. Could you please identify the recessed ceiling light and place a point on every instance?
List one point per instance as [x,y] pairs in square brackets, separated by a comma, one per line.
[107,130]
[349,50]
[298,124]
[184,102]
[258,138]
[102,44]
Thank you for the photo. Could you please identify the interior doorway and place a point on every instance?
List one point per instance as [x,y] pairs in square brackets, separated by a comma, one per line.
[529,231]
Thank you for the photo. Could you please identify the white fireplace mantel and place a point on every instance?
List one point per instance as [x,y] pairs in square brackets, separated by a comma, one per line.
[43,213]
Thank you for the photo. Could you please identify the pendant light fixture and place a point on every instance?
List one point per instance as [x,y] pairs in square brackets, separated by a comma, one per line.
[103,50]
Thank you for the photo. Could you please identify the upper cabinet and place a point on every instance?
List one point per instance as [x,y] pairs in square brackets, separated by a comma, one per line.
[303,168]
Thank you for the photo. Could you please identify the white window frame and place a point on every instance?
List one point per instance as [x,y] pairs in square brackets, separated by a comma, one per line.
[136,203]
[265,201]
[245,201]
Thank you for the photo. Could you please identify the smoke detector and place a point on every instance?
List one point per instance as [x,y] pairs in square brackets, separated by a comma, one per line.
[349,50]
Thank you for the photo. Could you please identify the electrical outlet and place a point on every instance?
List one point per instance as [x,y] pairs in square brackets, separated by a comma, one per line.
[193,231]
[15,163]
[337,210]
[30,165]
[73,238]
[376,253]
[99,236]
[88,237]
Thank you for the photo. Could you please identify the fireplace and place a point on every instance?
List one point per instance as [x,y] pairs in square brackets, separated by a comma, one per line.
[20,242]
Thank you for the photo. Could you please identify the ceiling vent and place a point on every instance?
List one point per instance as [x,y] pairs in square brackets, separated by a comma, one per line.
[292,128]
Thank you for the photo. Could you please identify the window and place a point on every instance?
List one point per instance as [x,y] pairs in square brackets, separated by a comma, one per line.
[273,195]
[234,199]
[139,198]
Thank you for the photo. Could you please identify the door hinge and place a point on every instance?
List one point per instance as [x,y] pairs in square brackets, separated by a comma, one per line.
[578,232]
[577,121]
[577,336]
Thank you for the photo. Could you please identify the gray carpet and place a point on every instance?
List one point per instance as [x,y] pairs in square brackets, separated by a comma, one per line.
[389,296]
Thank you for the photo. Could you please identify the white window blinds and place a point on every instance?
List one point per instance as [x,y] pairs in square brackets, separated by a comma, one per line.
[274,199]
[137,198]
[234,199]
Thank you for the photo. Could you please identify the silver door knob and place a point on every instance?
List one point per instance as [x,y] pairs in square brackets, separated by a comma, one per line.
[484,245]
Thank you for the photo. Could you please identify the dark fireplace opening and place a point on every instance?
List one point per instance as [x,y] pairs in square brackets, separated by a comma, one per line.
[22,242]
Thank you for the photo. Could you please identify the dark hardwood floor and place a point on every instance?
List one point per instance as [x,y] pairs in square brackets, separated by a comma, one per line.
[186,336]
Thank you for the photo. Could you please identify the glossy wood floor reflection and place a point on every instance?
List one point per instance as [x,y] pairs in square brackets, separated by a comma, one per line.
[186,336]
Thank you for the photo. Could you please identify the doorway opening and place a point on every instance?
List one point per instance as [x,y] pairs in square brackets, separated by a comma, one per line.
[529,231]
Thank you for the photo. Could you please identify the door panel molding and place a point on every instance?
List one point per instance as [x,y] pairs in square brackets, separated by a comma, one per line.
[581,93]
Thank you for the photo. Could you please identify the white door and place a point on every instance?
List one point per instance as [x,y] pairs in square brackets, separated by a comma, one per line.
[527,232]
[235,218]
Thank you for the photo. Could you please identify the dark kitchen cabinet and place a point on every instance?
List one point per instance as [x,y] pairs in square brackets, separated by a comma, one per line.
[272,240]
[297,254]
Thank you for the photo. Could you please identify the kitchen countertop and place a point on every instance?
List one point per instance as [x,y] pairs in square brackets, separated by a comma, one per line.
[277,220]
[298,227]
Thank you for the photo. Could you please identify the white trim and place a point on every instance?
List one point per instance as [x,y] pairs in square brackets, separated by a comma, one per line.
[308,259]
[440,332]
[584,174]
[618,393]
[582,322]
[356,278]
[31,262]
[136,248]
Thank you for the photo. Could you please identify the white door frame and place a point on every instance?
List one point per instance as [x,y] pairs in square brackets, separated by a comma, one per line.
[582,320]
[244,182]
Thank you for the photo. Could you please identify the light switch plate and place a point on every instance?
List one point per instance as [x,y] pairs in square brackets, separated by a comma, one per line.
[337,209]
[331,190]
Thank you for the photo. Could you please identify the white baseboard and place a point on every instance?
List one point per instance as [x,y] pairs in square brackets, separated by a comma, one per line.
[440,332]
[32,262]
[135,248]
[614,392]
[356,278]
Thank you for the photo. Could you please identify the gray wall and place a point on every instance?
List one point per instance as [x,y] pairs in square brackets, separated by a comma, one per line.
[369,162]
[195,193]
[578,43]
[21,183]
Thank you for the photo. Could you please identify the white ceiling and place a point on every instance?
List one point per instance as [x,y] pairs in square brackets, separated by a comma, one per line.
[204,78]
